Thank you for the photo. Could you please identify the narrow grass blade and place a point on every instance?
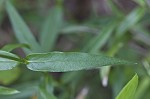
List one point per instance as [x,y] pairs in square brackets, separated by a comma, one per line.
[8,60]
[46,88]
[22,32]
[97,42]
[79,29]
[115,10]
[140,2]
[46,95]
[7,91]
[51,29]
[141,34]
[128,91]
[11,47]
[69,61]
[130,20]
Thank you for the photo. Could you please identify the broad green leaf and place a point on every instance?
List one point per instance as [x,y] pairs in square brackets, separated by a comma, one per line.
[69,61]
[11,47]
[7,91]
[9,76]
[22,32]
[130,20]
[128,91]
[8,60]
[51,28]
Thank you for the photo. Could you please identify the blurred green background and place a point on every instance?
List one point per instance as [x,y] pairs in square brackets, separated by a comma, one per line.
[117,28]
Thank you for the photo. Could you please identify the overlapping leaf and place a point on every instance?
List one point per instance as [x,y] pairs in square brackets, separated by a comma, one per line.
[51,28]
[8,60]
[22,32]
[11,47]
[128,91]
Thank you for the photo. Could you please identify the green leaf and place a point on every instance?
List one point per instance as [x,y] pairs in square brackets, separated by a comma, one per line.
[140,2]
[22,32]
[130,20]
[27,89]
[143,87]
[128,91]
[69,61]
[115,10]
[79,29]
[97,42]
[11,47]
[8,60]
[45,94]
[141,34]
[51,28]
[9,76]
[7,91]
[104,71]
[46,88]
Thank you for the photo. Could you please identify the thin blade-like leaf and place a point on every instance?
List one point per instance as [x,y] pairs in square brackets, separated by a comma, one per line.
[45,94]
[8,60]
[11,47]
[140,2]
[51,29]
[140,33]
[115,10]
[7,91]
[46,89]
[130,21]
[128,91]
[22,32]
[96,43]
[79,29]
[69,61]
